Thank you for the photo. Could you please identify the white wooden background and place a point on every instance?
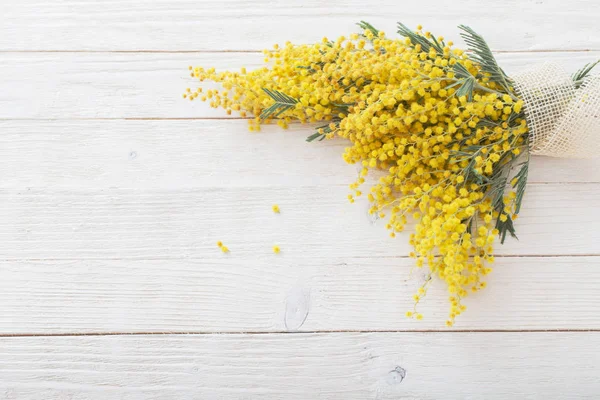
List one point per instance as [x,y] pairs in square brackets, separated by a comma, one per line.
[114,190]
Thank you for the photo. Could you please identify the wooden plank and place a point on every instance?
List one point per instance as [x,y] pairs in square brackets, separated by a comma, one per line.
[315,221]
[300,366]
[144,85]
[286,294]
[241,25]
[191,154]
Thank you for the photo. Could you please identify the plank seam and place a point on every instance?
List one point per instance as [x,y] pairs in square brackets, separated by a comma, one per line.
[100,190]
[323,332]
[200,51]
[131,119]
[145,258]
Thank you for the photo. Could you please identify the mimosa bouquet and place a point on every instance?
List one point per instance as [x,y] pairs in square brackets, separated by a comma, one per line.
[451,132]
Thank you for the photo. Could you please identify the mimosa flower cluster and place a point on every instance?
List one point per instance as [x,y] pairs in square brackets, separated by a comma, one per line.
[444,128]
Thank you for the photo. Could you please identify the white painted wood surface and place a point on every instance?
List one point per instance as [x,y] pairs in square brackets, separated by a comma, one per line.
[285,294]
[355,366]
[184,25]
[316,221]
[114,190]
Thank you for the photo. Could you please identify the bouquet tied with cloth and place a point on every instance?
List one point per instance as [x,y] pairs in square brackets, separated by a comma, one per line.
[447,133]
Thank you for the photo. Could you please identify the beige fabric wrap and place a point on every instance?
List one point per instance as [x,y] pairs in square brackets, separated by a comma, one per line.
[563,121]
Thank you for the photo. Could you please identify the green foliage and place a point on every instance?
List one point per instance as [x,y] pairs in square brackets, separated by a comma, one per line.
[325,129]
[520,181]
[466,88]
[579,76]
[497,182]
[415,39]
[283,102]
[482,55]
[367,26]
[500,182]
[316,136]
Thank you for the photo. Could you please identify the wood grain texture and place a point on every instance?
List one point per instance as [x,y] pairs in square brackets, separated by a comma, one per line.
[243,25]
[300,366]
[315,221]
[169,154]
[274,294]
[108,224]
[145,85]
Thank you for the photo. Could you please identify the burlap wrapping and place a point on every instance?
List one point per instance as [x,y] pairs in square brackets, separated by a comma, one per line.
[563,121]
